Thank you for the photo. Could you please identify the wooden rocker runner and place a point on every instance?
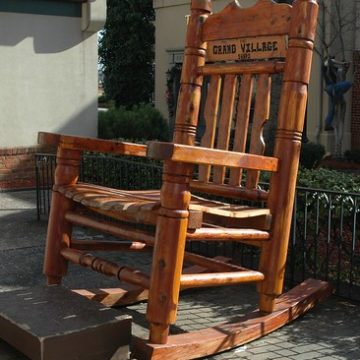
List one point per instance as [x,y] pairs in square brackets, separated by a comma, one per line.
[238,51]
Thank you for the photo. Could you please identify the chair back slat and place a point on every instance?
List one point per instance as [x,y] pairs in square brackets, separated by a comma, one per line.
[242,123]
[224,128]
[228,121]
[210,116]
[261,115]
[228,111]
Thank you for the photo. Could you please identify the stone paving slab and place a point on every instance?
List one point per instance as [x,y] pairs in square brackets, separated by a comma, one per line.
[331,331]
[79,329]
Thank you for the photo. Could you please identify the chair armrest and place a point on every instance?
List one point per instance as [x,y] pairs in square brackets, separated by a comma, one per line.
[91,144]
[205,156]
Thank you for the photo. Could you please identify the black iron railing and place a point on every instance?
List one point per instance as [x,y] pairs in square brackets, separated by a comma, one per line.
[111,171]
[44,169]
[324,241]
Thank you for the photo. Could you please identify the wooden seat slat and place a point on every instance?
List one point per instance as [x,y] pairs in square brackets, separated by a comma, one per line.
[224,209]
[229,191]
[140,205]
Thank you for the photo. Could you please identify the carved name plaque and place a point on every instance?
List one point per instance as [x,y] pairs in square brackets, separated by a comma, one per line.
[262,47]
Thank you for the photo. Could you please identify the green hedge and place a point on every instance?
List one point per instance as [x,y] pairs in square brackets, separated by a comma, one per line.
[353,156]
[142,122]
[329,180]
[311,154]
[325,179]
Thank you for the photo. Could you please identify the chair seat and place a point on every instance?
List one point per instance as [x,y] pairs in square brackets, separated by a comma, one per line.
[142,206]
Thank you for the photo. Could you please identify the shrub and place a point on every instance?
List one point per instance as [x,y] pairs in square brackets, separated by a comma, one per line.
[142,122]
[102,99]
[329,180]
[311,154]
[324,179]
[353,156]
[126,51]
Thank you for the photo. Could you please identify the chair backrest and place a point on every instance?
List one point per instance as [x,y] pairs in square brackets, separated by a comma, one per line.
[240,49]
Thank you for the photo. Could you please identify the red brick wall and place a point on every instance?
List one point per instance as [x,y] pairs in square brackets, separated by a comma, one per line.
[17,167]
[355,111]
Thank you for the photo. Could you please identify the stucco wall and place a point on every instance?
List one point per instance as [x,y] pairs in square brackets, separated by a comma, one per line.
[48,72]
[317,90]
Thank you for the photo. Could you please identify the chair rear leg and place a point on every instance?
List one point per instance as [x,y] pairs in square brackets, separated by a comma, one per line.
[266,302]
[267,295]
[59,229]
[274,252]
[272,265]
[58,237]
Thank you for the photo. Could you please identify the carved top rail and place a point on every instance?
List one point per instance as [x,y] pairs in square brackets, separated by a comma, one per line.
[262,19]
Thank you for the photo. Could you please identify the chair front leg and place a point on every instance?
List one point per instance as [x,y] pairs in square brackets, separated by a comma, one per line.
[168,257]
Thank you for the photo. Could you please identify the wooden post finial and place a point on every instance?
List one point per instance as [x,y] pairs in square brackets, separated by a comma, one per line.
[311,8]
[204,5]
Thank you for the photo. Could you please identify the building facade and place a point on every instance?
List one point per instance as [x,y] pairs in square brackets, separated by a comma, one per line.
[49,77]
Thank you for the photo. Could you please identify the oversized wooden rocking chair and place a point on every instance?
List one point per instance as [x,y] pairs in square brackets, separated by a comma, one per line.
[238,50]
